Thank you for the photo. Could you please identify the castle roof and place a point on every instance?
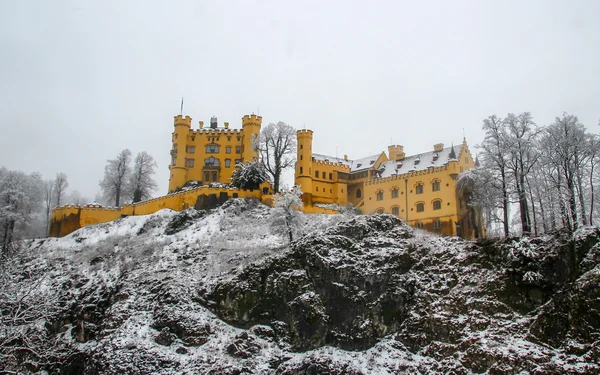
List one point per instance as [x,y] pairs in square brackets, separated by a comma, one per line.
[355,165]
[418,162]
[410,163]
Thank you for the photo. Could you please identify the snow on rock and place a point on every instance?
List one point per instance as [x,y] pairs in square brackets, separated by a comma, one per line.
[218,293]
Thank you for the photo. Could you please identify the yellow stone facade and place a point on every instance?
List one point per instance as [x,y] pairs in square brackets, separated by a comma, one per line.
[209,154]
[420,189]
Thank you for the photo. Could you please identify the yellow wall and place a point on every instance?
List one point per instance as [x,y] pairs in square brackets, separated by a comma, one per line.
[67,219]
[189,144]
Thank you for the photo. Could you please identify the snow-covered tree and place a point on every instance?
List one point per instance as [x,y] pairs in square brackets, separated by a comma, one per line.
[249,175]
[285,216]
[60,187]
[20,199]
[142,184]
[48,197]
[520,142]
[116,175]
[494,159]
[277,146]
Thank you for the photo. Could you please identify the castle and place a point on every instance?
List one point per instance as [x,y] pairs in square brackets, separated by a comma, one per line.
[420,189]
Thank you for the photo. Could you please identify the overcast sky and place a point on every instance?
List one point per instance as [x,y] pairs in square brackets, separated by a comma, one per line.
[82,80]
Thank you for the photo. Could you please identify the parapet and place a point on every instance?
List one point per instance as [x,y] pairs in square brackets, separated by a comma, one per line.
[251,120]
[185,121]
[343,166]
[304,133]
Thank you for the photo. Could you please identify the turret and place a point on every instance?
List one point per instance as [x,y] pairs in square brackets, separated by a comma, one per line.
[251,128]
[304,164]
[396,152]
[178,175]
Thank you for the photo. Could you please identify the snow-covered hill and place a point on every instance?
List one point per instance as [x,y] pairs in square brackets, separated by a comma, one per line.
[218,293]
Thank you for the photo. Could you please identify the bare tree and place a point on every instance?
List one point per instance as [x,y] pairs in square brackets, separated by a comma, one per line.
[60,187]
[20,197]
[522,134]
[277,147]
[116,175]
[48,192]
[494,159]
[285,216]
[141,184]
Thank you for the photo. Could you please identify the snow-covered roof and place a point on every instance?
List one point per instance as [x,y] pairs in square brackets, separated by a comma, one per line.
[425,160]
[417,162]
[355,165]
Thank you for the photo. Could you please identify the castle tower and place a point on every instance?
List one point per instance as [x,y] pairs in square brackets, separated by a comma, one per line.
[178,175]
[251,127]
[304,177]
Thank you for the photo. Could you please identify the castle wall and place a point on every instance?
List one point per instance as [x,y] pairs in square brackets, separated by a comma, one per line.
[67,219]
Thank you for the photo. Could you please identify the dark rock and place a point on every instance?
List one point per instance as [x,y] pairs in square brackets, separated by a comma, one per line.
[183,220]
[165,337]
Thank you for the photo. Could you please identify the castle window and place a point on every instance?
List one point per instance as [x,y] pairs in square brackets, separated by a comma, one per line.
[301,146]
[331,191]
[207,177]
[331,176]
[419,188]
[358,193]
[189,163]
[380,195]
[420,225]
[437,205]
[214,176]
[193,138]
[228,150]
[228,138]
[227,163]
[300,170]
[238,139]
[317,174]
[238,149]
[190,149]
[211,162]
[396,210]
[420,207]
[437,225]
[379,210]
[300,157]
[238,161]
[317,188]
[212,149]
[394,193]
[436,186]
[175,161]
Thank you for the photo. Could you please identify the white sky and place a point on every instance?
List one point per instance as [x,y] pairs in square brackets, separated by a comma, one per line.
[82,80]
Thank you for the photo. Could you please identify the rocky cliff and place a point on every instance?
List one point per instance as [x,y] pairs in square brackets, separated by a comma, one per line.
[195,293]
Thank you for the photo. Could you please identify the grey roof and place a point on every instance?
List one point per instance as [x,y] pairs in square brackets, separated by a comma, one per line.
[392,167]
[355,165]
[425,160]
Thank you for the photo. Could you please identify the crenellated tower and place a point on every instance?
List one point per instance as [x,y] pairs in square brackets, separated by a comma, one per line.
[178,175]
[304,177]
[251,128]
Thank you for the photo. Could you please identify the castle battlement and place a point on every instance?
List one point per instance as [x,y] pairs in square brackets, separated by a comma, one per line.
[332,164]
[218,131]
[304,132]
[429,170]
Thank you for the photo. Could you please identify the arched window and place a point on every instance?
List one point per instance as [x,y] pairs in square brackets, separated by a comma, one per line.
[420,207]
[380,195]
[358,193]
[435,186]
[394,193]
[379,210]
[396,210]
[437,205]
[419,188]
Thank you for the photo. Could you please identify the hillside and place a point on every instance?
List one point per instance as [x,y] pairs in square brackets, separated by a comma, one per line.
[218,293]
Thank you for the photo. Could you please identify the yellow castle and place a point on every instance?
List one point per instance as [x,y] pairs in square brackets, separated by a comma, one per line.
[420,189]
[210,154]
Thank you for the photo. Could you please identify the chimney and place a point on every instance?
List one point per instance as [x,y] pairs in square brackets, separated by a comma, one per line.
[438,147]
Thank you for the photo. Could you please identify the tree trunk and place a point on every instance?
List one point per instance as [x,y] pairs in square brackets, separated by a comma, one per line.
[535,226]
[592,192]
[505,202]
